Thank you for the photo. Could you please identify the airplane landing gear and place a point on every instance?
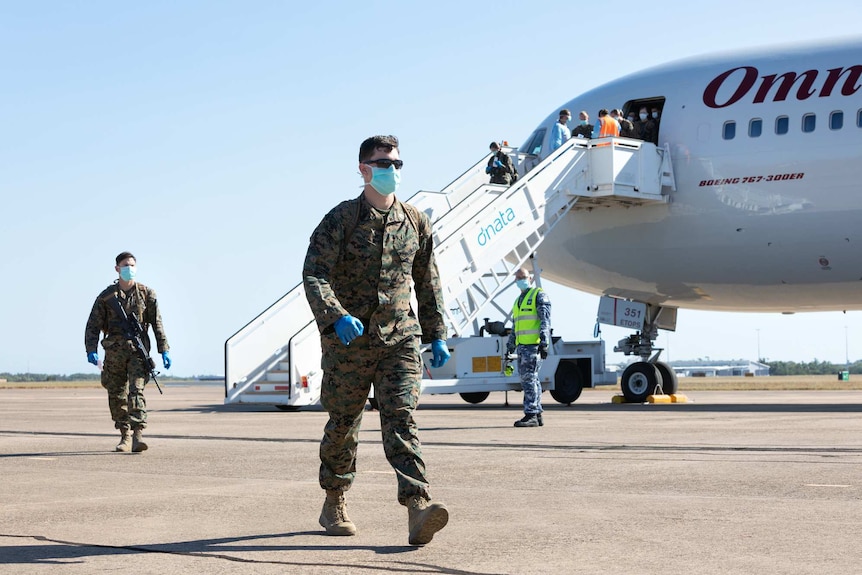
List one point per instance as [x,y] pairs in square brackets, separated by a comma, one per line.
[639,381]
[648,376]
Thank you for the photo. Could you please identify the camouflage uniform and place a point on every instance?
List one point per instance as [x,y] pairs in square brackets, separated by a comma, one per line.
[646,130]
[529,361]
[627,129]
[360,262]
[124,374]
[504,175]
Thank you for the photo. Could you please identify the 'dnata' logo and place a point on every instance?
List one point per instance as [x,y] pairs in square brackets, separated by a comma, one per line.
[487,233]
[746,81]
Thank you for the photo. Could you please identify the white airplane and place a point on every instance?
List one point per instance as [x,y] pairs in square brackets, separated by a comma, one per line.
[767,213]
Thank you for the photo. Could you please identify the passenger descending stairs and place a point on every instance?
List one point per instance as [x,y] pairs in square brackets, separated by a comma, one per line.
[482,234]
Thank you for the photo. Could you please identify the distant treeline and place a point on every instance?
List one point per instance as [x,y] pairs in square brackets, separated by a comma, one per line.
[811,368]
[24,377]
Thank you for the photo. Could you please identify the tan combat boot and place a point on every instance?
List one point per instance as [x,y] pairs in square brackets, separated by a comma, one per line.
[137,444]
[334,517]
[425,519]
[125,442]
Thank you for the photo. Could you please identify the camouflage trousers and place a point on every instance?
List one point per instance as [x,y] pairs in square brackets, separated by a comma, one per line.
[124,376]
[348,374]
[528,367]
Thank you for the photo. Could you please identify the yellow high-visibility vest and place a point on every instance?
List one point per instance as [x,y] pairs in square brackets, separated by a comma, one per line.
[526,318]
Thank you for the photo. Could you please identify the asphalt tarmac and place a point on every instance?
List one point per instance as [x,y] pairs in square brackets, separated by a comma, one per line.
[732,482]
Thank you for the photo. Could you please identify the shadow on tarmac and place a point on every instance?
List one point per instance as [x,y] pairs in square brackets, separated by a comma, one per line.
[60,552]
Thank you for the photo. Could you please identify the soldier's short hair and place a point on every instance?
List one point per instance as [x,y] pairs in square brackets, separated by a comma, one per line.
[565,112]
[125,255]
[385,143]
[494,145]
[602,113]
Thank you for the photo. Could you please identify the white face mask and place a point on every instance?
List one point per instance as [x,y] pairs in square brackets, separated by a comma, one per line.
[655,115]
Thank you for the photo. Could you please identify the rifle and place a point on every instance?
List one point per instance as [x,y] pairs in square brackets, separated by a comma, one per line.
[133,330]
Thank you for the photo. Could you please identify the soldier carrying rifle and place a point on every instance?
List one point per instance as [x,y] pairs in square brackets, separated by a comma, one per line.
[123,312]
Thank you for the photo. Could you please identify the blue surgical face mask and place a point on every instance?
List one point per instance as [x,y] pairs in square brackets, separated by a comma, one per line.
[385,180]
[643,117]
[523,285]
[583,122]
[655,115]
[127,273]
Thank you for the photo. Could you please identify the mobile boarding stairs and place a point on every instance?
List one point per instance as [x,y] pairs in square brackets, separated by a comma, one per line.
[482,234]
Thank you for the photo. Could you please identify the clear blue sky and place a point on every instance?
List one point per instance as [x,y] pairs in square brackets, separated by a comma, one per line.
[209,138]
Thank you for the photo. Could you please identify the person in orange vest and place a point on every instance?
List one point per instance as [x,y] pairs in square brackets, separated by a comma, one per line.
[606,127]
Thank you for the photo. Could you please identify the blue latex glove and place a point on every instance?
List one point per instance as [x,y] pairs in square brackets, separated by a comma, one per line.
[93,358]
[348,328]
[440,353]
[498,164]
[166,359]
[488,170]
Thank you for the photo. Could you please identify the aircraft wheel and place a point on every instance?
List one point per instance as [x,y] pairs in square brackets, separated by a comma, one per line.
[568,383]
[669,381]
[375,405]
[287,407]
[475,397]
[639,381]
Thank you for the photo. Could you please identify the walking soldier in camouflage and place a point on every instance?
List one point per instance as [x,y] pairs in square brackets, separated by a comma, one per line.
[532,333]
[124,373]
[357,276]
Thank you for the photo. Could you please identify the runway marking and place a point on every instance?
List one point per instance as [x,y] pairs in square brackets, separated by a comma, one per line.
[825,485]
[43,458]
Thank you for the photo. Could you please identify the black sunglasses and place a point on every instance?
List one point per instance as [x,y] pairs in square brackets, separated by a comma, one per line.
[385,163]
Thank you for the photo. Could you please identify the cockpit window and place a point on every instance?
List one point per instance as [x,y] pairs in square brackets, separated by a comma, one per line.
[534,144]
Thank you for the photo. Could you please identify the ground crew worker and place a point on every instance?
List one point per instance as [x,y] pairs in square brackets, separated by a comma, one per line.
[532,318]
[606,127]
[360,263]
[500,166]
[124,373]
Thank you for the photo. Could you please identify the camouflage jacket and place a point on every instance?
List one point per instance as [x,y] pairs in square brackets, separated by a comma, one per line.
[627,129]
[361,261]
[504,175]
[140,301]
[646,130]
